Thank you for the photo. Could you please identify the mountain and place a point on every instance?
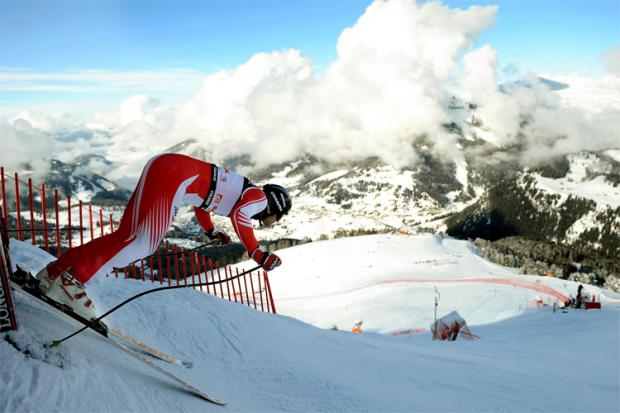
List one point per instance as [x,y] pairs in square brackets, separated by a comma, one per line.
[76,178]
[567,205]
[553,85]
[571,203]
[575,201]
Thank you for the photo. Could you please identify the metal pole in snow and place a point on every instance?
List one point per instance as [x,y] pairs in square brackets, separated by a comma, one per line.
[437,297]
[44,213]
[31,210]
[18,208]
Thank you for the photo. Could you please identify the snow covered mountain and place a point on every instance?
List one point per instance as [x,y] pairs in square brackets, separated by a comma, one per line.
[78,179]
[573,201]
[468,181]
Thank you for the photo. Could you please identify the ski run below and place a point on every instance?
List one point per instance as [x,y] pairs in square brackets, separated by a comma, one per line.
[526,359]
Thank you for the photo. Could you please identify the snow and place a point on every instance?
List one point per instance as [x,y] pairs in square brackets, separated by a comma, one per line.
[389,281]
[589,94]
[331,176]
[526,359]
[577,182]
[614,153]
[597,189]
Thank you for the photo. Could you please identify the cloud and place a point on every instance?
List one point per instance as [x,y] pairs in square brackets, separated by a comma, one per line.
[24,148]
[584,116]
[98,81]
[397,71]
[387,85]
[612,60]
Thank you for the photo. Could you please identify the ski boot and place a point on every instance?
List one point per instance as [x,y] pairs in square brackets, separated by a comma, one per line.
[68,292]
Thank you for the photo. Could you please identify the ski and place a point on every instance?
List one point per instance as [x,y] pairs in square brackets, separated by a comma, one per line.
[136,354]
[21,280]
[148,350]
[147,362]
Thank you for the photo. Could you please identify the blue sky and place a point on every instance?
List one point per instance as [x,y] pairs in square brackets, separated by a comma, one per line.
[200,37]
[553,36]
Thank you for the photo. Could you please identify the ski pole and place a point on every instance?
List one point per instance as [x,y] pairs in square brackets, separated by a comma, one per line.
[92,322]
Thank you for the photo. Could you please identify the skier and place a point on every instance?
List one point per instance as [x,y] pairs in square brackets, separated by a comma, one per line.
[580,297]
[357,326]
[167,181]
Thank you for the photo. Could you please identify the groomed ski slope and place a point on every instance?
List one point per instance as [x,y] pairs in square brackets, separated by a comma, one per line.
[525,360]
[389,282]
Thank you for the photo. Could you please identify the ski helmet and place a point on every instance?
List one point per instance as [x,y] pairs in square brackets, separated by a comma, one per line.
[278,200]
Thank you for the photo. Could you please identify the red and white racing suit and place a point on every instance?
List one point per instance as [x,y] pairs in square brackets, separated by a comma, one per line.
[167,182]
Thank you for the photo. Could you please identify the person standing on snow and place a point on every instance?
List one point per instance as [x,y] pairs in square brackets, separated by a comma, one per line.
[167,181]
[357,326]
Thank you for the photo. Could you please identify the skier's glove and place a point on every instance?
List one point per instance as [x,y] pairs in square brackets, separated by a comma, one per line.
[266,259]
[220,236]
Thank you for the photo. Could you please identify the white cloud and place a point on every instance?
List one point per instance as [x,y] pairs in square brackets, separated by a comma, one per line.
[584,116]
[386,85]
[612,60]
[396,70]
[24,148]
[98,81]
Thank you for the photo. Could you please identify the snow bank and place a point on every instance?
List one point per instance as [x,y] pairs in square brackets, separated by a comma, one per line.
[389,281]
[536,361]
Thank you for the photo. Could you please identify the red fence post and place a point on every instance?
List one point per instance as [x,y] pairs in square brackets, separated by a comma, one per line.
[198,272]
[205,266]
[245,282]
[5,211]
[70,232]
[191,265]
[184,267]
[80,206]
[168,262]
[31,204]
[101,221]
[18,208]
[58,247]
[44,213]
[229,284]
[252,287]
[176,263]
[90,221]
[228,274]
[219,279]
[159,265]
[260,292]
[111,224]
[268,288]
[239,284]
[211,265]
[203,259]
[151,276]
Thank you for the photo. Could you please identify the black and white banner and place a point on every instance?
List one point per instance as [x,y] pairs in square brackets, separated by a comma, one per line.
[7,314]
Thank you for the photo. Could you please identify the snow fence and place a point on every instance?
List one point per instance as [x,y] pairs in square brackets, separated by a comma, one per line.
[57,224]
